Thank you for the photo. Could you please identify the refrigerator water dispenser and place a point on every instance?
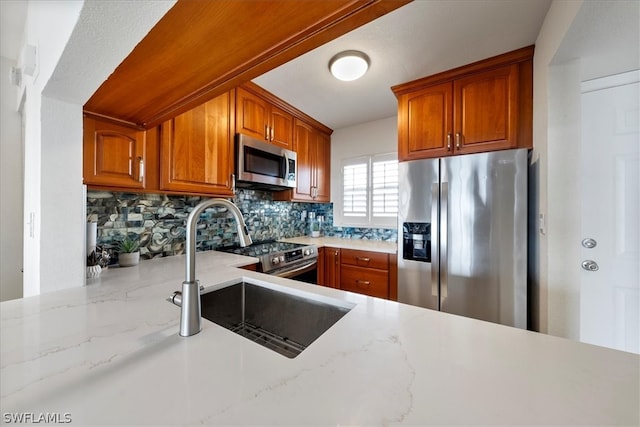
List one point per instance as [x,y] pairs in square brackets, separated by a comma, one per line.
[416,238]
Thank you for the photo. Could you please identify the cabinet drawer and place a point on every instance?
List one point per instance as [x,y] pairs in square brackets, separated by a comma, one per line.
[365,259]
[366,281]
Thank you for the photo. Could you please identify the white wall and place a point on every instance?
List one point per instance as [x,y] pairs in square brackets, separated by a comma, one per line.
[563,200]
[48,27]
[555,26]
[376,137]
[79,44]
[61,188]
[579,40]
[10,187]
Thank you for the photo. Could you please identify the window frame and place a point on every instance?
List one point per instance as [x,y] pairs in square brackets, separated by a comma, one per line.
[368,220]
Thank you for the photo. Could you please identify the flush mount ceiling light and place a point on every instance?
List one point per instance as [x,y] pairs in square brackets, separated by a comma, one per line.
[349,65]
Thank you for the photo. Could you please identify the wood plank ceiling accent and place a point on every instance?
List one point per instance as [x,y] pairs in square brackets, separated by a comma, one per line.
[203,48]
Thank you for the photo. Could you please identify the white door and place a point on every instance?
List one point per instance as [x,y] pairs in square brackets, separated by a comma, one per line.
[609,290]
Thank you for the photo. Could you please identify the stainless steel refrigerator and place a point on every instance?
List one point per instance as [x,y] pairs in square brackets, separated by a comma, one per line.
[463,242]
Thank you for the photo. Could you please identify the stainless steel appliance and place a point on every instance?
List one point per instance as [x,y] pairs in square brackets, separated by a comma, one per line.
[263,165]
[282,259]
[464,235]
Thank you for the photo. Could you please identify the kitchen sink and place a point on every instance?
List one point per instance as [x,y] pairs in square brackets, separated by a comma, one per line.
[281,321]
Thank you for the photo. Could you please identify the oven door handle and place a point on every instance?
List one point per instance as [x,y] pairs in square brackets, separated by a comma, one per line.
[290,273]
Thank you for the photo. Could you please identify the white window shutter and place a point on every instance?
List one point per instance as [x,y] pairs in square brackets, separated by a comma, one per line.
[355,178]
[369,192]
[385,188]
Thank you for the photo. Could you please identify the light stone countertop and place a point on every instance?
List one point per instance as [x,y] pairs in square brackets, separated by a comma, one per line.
[338,242]
[109,353]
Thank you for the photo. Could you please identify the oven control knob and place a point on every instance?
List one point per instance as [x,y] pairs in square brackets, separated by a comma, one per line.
[308,252]
[275,260]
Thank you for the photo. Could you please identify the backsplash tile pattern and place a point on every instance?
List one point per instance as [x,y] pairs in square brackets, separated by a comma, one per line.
[158,221]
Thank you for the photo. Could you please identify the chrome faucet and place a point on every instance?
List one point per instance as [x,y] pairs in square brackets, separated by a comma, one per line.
[190,298]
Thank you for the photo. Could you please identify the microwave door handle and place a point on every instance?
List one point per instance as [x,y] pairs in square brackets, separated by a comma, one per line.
[286,166]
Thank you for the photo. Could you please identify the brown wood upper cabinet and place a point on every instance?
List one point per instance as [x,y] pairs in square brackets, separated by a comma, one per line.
[196,151]
[313,148]
[113,154]
[484,106]
[257,117]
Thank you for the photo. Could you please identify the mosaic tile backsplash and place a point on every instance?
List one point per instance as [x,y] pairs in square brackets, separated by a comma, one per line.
[158,221]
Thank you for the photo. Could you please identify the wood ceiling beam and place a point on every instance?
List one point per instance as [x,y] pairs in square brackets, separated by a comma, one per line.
[202,48]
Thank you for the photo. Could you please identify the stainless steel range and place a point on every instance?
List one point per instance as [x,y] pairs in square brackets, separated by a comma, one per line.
[282,259]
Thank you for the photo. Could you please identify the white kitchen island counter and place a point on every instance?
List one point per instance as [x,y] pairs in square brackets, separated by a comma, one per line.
[109,353]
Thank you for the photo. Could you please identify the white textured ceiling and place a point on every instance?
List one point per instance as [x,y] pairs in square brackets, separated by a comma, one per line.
[605,36]
[419,39]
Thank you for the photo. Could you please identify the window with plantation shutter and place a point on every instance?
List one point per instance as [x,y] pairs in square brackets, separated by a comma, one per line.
[385,188]
[355,190]
[369,191]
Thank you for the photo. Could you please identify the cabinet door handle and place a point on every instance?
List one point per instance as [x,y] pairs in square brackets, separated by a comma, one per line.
[449,141]
[363,259]
[266,132]
[458,140]
[272,134]
[233,183]
[363,283]
[140,169]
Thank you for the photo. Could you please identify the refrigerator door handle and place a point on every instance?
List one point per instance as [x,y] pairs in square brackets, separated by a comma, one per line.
[444,229]
[435,195]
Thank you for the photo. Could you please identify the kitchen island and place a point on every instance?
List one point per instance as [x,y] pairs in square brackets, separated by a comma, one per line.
[109,353]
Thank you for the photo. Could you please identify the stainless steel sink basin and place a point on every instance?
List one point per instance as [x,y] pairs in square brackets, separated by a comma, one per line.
[281,321]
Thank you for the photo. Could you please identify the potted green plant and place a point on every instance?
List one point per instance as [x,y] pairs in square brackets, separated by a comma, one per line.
[128,252]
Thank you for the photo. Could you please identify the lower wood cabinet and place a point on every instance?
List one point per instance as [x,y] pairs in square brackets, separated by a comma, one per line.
[364,272]
[329,267]
[369,281]
[366,259]
[250,267]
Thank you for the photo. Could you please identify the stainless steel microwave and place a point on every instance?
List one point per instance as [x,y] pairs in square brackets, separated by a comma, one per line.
[263,165]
